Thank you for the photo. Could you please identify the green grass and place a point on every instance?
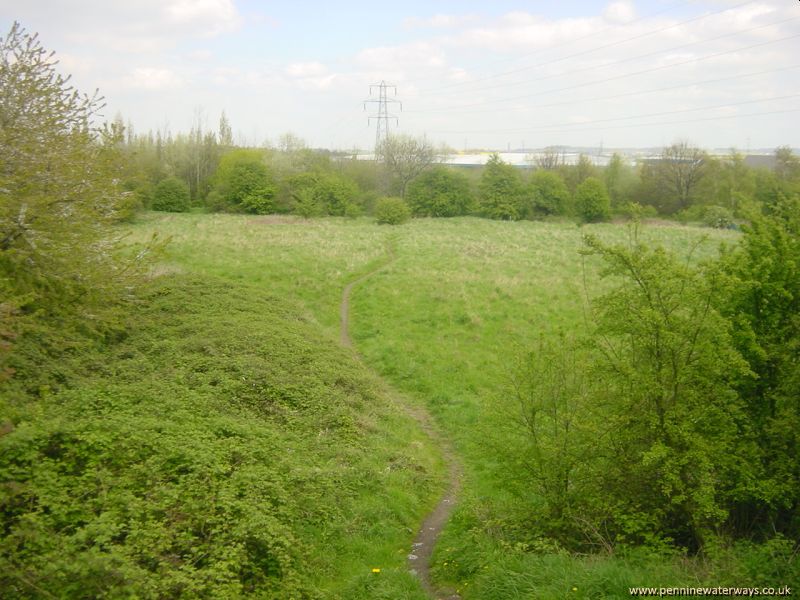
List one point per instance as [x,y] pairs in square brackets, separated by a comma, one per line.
[224,448]
[443,324]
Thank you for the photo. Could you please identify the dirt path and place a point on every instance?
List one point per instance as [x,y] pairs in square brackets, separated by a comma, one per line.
[419,556]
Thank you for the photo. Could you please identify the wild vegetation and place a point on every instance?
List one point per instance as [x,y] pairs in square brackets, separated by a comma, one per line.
[178,420]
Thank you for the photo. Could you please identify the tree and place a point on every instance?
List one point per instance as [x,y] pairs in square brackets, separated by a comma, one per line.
[322,193]
[549,194]
[405,157]
[678,173]
[501,193]
[576,174]
[764,303]
[550,159]
[787,165]
[243,183]
[592,202]
[620,180]
[225,134]
[60,192]
[440,192]
[172,195]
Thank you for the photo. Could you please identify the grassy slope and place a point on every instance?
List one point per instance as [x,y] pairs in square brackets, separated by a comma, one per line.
[224,448]
[442,323]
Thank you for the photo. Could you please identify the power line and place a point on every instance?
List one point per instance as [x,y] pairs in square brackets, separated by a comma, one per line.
[568,42]
[632,58]
[624,75]
[627,118]
[614,96]
[589,50]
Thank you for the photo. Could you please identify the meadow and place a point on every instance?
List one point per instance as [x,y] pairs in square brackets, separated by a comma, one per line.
[444,323]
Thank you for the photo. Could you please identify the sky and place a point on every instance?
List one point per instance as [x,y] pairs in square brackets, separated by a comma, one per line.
[500,75]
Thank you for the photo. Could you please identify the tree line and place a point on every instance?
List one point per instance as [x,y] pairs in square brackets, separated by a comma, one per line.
[205,170]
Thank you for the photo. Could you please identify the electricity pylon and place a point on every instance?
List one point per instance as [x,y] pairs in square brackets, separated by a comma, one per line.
[383,116]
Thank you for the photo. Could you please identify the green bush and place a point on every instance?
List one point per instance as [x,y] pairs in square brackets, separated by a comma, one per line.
[392,211]
[171,195]
[549,194]
[440,192]
[592,201]
[243,183]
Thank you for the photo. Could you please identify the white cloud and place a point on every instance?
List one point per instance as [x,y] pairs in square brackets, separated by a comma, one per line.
[153,78]
[439,21]
[620,11]
[305,69]
[203,17]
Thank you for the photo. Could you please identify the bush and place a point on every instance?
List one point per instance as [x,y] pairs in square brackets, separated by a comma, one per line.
[391,211]
[440,192]
[243,183]
[592,201]
[550,195]
[171,195]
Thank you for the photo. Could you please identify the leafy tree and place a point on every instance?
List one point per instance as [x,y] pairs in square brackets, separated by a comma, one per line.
[621,182]
[440,192]
[592,202]
[243,182]
[501,192]
[550,159]
[404,158]
[549,194]
[392,211]
[60,191]
[670,370]
[671,183]
[172,195]
[787,165]
[764,304]
[329,193]
[576,174]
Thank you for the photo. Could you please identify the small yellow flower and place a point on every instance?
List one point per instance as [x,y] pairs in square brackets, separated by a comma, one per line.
[574,589]
[376,570]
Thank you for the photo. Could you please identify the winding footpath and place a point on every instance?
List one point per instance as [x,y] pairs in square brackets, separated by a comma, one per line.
[419,556]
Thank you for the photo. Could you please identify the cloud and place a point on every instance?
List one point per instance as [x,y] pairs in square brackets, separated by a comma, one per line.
[153,78]
[621,11]
[305,69]
[205,18]
[439,21]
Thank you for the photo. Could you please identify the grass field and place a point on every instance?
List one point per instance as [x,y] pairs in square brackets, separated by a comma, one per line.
[443,323]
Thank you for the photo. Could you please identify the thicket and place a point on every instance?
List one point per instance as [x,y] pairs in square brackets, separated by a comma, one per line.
[672,422]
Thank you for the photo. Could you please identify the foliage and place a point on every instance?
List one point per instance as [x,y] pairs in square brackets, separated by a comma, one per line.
[501,193]
[322,193]
[171,195]
[592,202]
[392,211]
[764,304]
[671,183]
[621,181]
[549,193]
[405,158]
[61,269]
[243,182]
[675,423]
[440,192]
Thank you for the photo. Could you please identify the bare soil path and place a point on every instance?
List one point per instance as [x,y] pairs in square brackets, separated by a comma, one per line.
[419,556]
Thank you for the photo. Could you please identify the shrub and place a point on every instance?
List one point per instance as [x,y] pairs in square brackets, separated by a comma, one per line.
[243,183]
[440,192]
[391,211]
[550,195]
[502,194]
[171,195]
[592,201]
